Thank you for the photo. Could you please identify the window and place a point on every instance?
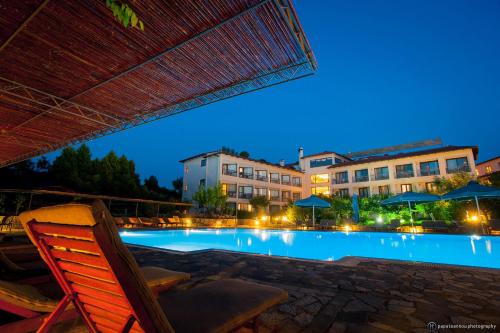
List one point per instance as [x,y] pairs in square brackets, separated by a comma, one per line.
[285,195]
[319,162]
[285,179]
[338,160]
[381,173]
[383,190]
[404,171]
[245,192]
[275,194]
[275,178]
[202,182]
[324,190]
[488,169]
[364,192]
[297,181]
[431,187]
[260,192]
[274,209]
[405,188]
[231,206]
[203,162]
[343,192]
[229,190]
[321,178]
[341,177]
[430,168]
[244,206]
[186,170]
[261,175]
[361,175]
[185,187]
[296,196]
[246,172]
[455,165]
[229,169]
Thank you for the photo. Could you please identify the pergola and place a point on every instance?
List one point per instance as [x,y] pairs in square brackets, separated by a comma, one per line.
[69,72]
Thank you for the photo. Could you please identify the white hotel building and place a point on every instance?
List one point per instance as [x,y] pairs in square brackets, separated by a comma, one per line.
[326,173]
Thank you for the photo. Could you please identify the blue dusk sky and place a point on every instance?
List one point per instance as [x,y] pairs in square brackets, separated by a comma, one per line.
[390,72]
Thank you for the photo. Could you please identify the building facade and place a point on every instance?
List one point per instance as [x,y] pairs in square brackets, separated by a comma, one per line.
[326,173]
[242,179]
[489,169]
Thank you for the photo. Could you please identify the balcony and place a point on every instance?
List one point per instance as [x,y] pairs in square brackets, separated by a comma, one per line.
[404,174]
[275,198]
[246,175]
[262,178]
[285,182]
[336,181]
[360,179]
[275,180]
[423,173]
[245,195]
[464,168]
[230,173]
[231,194]
[380,177]
[297,184]
[285,199]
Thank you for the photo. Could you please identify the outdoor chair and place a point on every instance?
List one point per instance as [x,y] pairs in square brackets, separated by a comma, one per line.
[132,222]
[7,222]
[148,222]
[119,222]
[437,225]
[327,224]
[81,245]
[160,222]
[175,221]
[494,227]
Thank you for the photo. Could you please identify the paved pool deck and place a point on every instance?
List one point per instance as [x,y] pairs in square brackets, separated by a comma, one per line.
[352,295]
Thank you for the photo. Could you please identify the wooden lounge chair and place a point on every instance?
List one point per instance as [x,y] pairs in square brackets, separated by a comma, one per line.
[7,222]
[432,226]
[494,227]
[99,276]
[175,221]
[327,224]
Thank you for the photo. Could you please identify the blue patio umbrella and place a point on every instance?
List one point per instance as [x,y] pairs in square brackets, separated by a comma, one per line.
[408,198]
[312,202]
[355,208]
[473,191]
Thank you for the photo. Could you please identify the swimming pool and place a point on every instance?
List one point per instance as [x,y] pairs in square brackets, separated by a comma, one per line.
[481,251]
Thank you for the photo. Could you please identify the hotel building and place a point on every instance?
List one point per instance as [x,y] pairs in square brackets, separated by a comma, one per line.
[327,173]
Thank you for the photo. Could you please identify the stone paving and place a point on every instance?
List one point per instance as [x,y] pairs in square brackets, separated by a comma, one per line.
[356,295]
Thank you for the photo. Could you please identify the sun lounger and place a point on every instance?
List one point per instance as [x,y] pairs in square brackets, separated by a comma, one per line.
[78,240]
[395,224]
[175,221]
[494,226]
[7,222]
[327,224]
[438,225]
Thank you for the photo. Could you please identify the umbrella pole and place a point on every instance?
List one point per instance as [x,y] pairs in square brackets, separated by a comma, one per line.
[314,220]
[411,215]
[479,213]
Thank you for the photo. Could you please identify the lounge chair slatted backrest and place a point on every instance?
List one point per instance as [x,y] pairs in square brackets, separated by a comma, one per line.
[82,247]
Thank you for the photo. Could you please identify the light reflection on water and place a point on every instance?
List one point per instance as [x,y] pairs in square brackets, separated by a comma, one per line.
[481,251]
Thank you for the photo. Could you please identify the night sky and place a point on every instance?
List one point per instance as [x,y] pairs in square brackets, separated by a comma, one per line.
[389,72]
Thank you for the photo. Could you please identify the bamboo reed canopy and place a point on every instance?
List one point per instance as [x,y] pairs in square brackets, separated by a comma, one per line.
[69,72]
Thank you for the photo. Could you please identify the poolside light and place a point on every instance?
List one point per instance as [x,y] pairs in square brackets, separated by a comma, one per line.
[284,218]
[257,223]
[188,222]
[474,218]
[347,228]
[380,219]
[264,218]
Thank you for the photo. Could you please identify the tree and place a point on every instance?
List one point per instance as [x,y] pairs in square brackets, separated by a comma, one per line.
[177,185]
[458,180]
[244,154]
[260,203]
[211,199]
[43,164]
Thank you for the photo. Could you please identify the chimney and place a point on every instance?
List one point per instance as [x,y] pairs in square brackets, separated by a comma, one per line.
[282,162]
[301,162]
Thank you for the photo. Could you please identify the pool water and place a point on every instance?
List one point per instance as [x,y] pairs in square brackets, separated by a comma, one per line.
[481,251]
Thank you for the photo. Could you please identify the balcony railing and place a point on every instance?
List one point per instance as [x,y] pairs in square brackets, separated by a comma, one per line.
[275,198]
[275,180]
[465,168]
[246,175]
[404,174]
[380,177]
[297,184]
[231,194]
[285,182]
[360,179]
[429,172]
[262,178]
[229,172]
[340,181]
[245,195]
[285,199]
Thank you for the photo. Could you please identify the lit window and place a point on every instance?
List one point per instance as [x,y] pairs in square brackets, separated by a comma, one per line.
[488,169]
[405,188]
[431,187]
[324,190]
[321,178]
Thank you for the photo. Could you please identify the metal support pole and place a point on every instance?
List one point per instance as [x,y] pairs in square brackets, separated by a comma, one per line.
[158,211]
[136,209]
[31,198]
[479,214]
[314,219]
[411,214]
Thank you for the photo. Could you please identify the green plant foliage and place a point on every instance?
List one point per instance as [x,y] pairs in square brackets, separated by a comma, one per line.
[124,14]
[211,199]
[260,203]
